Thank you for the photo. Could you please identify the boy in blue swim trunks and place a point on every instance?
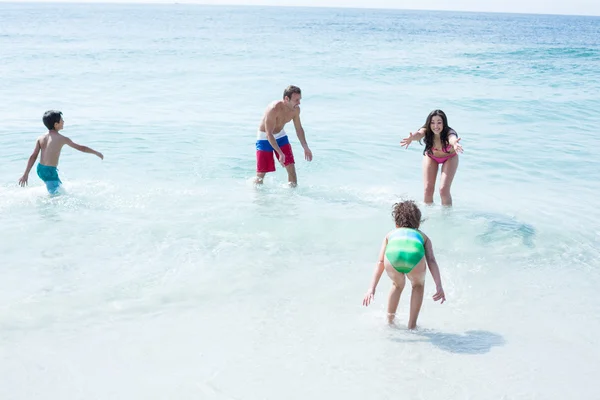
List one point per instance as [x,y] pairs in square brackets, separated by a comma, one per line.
[50,146]
[404,253]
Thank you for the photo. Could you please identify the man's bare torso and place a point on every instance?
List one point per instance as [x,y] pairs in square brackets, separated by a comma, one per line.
[51,144]
[283,115]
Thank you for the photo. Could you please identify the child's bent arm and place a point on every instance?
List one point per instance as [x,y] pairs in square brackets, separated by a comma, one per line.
[376,274]
[435,272]
[33,156]
[30,162]
[434,269]
[83,149]
[379,267]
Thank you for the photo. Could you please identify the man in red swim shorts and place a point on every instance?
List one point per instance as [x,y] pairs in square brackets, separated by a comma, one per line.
[273,141]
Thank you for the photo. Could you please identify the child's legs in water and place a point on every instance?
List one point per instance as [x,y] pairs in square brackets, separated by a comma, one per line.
[398,281]
[417,280]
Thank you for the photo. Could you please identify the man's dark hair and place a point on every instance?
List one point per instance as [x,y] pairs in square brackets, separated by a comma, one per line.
[291,90]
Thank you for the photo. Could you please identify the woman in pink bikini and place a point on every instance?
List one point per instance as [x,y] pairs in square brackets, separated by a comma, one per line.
[441,147]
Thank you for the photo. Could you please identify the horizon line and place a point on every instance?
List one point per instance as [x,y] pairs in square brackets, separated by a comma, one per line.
[353,7]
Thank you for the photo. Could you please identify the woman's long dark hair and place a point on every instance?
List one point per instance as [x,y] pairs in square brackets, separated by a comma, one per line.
[429,133]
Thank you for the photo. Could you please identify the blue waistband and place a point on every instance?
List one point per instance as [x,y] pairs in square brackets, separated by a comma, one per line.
[264,145]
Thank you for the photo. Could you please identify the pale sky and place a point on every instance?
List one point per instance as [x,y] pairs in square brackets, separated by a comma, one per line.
[578,7]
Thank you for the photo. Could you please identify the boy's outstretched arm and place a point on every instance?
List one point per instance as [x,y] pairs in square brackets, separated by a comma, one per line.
[30,162]
[83,149]
[435,271]
[376,275]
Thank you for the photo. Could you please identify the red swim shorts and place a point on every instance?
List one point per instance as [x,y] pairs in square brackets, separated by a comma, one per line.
[265,160]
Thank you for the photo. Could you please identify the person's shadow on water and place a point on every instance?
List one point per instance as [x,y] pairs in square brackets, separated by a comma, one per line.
[499,225]
[471,342]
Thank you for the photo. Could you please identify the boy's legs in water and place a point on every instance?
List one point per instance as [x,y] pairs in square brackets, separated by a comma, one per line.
[417,279]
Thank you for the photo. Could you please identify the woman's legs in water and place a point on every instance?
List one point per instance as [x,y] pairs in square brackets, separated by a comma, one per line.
[430,169]
[448,171]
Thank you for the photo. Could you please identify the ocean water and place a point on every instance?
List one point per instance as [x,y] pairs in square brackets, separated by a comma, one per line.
[163,273]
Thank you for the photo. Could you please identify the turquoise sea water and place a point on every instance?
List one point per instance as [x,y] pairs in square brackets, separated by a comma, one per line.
[163,273]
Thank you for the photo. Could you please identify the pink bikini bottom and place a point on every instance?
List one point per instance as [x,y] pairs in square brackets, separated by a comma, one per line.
[441,160]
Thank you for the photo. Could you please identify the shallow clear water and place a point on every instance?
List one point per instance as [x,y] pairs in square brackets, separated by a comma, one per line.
[163,273]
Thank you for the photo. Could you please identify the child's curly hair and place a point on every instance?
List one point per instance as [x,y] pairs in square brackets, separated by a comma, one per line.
[407,215]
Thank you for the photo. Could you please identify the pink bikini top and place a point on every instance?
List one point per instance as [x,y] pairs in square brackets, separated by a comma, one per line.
[446,149]
[449,147]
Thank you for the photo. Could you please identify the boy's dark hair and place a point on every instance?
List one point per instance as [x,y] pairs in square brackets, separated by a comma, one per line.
[291,90]
[50,118]
[407,215]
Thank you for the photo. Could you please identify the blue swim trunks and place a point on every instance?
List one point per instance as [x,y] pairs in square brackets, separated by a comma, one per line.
[50,177]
